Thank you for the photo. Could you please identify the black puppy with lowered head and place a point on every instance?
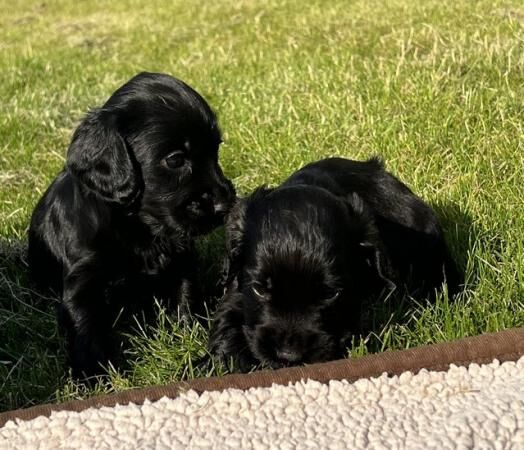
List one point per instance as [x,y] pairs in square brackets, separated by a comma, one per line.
[141,180]
[304,256]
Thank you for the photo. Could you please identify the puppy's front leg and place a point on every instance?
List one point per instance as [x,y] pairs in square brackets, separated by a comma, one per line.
[187,294]
[88,316]
[226,337]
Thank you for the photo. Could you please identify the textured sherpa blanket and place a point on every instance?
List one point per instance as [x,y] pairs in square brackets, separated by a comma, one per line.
[478,406]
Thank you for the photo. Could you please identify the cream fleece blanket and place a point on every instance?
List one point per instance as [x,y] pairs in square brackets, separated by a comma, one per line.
[480,407]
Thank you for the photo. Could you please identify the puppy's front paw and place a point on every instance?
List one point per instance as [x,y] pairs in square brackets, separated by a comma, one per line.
[90,356]
[241,362]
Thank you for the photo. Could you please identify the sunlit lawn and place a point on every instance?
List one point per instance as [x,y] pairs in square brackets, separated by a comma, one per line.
[436,88]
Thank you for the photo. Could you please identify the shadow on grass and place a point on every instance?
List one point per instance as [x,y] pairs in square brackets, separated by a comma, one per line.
[395,322]
[33,368]
[31,352]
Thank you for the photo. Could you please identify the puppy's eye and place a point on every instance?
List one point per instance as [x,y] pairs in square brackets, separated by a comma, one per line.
[259,293]
[333,296]
[175,160]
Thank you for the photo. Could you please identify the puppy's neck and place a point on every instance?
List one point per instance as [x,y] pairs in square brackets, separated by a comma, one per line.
[143,231]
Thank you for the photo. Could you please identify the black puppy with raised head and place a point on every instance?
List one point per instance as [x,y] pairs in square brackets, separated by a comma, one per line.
[304,256]
[141,180]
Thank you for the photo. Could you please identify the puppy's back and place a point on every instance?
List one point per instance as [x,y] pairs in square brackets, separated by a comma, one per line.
[56,222]
[388,197]
[44,248]
[408,226]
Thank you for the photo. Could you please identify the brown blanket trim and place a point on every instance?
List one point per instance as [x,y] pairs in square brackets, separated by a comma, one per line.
[505,346]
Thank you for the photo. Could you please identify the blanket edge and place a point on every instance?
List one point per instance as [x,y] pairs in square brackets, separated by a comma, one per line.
[507,345]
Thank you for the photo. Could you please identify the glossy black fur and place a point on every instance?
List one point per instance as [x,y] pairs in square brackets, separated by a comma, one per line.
[118,222]
[303,258]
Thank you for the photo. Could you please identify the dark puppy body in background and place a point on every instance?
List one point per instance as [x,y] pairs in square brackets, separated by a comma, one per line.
[117,224]
[303,258]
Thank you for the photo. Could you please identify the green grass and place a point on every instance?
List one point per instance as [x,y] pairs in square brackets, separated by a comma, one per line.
[434,87]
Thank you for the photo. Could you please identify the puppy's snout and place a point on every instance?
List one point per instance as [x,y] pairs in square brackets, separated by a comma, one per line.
[290,350]
[222,208]
[288,355]
[225,195]
[214,205]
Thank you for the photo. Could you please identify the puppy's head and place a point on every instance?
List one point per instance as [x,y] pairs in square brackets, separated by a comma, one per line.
[302,260]
[153,149]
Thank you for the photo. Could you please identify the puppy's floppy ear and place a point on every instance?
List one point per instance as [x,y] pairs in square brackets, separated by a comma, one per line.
[100,159]
[370,245]
[235,232]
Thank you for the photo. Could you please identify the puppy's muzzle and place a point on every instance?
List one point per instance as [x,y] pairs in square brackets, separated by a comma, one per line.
[208,207]
[289,356]
[222,208]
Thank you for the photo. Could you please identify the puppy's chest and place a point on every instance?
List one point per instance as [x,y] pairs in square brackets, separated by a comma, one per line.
[158,257]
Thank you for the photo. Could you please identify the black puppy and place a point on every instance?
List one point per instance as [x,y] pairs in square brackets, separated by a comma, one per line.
[304,256]
[141,180]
